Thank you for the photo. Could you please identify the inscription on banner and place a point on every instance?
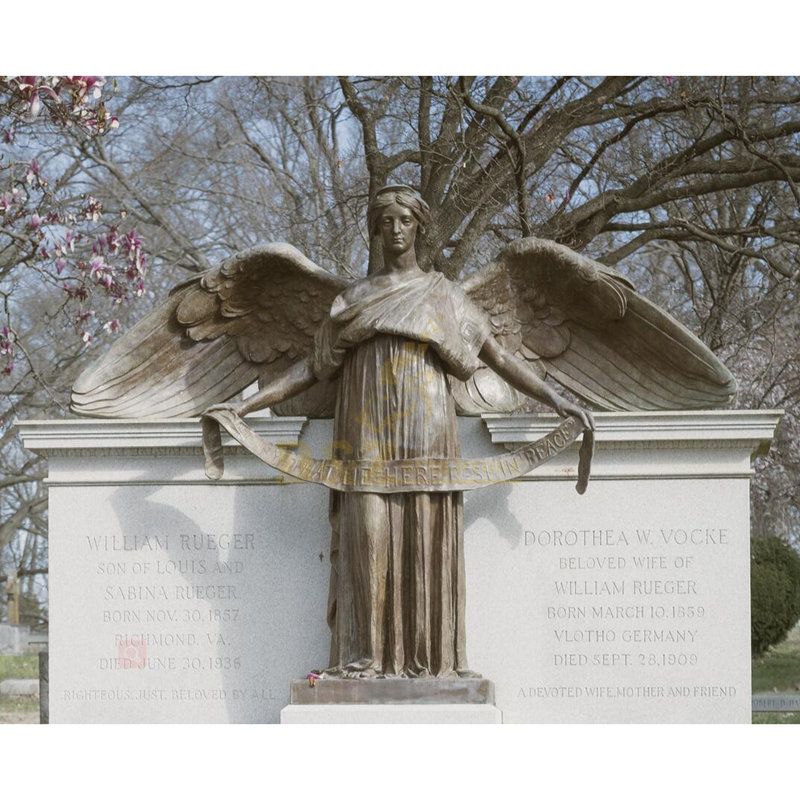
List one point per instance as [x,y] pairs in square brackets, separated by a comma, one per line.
[407,475]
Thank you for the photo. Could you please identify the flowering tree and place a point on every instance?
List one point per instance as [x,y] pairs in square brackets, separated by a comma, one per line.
[67,267]
[63,236]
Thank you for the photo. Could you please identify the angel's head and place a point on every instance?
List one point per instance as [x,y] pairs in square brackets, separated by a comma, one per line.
[395,214]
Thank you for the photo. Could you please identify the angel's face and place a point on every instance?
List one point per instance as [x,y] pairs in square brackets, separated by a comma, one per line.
[398,229]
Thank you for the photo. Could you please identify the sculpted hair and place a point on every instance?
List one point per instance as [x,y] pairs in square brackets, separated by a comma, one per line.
[402,195]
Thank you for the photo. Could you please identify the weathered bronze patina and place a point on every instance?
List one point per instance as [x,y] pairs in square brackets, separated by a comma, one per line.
[393,357]
[401,475]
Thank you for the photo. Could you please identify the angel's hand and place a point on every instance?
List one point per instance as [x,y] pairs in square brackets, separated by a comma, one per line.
[566,409]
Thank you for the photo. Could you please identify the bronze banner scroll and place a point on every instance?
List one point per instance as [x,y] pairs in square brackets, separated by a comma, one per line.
[389,477]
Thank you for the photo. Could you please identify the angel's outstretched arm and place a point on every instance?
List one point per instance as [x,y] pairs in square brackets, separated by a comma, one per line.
[294,380]
[517,373]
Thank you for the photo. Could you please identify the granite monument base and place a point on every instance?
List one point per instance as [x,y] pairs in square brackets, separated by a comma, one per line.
[392,691]
[173,599]
[338,700]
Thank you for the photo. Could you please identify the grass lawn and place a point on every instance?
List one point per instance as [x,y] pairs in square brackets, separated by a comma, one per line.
[19,666]
[19,709]
[778,670]
[777,718]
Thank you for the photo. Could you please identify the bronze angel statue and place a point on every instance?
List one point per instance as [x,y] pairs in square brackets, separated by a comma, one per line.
[393,358]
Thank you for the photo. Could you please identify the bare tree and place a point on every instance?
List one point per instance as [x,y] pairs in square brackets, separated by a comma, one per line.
[689,186]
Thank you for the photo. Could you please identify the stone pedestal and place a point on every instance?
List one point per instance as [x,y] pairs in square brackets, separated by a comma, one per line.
[393,691]
[335,700]
[173,599]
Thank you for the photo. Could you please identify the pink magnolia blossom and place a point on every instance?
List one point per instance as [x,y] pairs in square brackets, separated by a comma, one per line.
[34,107]
[84,85]
[132,241]
[112,240]
[93,209]
[312,678]
[7,349]
[34,172]
[94,262]
[97,264]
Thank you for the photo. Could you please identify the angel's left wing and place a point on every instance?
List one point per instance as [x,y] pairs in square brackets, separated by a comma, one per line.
[249,319]
[585,325]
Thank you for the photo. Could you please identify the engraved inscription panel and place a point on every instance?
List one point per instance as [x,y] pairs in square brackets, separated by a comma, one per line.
[185,603]
[618,610]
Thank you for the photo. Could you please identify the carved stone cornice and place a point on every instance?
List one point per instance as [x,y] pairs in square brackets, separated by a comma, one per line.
[652,430]
[143,437]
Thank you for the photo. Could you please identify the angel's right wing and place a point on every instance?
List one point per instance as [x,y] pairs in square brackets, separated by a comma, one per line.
[583,324]
[215,335]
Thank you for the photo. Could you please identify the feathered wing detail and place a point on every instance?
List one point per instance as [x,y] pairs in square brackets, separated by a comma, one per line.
[215,335]
[490,290]
[585,325]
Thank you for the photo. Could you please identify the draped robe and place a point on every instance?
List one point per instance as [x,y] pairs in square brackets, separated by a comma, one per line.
[397,592]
